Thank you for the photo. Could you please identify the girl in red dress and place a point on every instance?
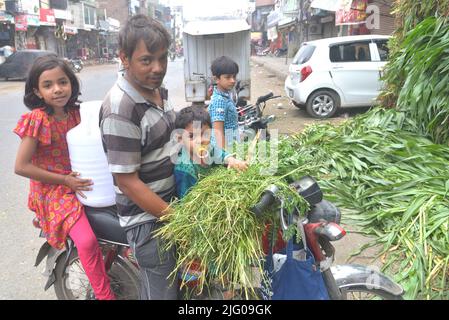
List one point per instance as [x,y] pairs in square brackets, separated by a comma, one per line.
[51,93]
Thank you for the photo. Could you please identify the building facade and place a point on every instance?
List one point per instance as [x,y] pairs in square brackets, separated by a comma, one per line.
[291,22]
[71,28]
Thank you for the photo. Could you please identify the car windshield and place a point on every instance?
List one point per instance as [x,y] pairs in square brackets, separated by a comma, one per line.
[304,54]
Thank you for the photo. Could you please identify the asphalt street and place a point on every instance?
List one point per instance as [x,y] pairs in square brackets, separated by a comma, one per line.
[19,240]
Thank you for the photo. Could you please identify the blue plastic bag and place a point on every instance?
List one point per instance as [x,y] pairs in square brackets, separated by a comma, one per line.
[295,280]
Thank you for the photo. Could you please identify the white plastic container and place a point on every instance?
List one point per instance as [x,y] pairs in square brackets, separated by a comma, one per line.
[88,158]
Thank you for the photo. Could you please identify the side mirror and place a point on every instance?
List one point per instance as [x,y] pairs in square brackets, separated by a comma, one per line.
[309,189]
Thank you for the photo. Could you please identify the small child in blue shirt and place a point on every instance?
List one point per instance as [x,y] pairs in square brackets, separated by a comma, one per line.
[222,109]
[197,153]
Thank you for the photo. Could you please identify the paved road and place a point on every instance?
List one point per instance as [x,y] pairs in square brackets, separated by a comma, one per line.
[19,241]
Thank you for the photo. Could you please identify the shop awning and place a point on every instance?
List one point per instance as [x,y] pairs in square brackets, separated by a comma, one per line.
[273,18]
[328,5]
[286,22]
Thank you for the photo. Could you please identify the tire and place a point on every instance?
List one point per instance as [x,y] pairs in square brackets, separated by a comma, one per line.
[72,283]
[323,104]
[363,293]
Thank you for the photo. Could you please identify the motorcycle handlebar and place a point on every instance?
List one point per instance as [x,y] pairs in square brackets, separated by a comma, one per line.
[267,199]
[264,98]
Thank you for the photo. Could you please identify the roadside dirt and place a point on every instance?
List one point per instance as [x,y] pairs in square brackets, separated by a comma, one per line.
[289,119]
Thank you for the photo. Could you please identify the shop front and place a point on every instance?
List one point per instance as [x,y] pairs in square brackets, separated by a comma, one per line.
[6,29]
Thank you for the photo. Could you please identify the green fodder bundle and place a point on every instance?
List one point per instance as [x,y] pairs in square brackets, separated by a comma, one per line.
[392,183]
[213,225]
[408,14]
[418,75]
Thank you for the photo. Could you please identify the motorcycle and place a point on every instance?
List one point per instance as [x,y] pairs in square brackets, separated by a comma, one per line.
[76,64]
[321,227]
[280,52]
[252,122]
[261,51]
[65,272]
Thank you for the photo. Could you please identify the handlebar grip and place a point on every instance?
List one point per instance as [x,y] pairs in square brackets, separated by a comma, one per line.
[264,98]
[266,200]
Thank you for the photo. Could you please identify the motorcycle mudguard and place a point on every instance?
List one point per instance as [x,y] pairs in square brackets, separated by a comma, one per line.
[352,275]
[43,252]
[52,255]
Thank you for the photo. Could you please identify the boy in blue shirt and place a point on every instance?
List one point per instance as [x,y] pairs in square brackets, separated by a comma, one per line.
[197,153]
[222,109]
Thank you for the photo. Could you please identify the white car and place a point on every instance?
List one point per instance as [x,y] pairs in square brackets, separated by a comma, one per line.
[333,73]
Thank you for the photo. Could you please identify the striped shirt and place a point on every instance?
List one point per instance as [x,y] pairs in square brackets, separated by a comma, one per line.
[136,137]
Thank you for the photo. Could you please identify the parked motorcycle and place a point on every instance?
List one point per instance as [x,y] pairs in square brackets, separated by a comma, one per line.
[76,64]
[262,51]
[251,118]
[320,225]
[280,52]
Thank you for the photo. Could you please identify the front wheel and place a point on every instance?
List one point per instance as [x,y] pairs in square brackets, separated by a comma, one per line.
[358,282]
[72,283]
[363,293]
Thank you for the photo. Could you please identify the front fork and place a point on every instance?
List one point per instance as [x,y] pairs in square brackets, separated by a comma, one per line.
[324,253]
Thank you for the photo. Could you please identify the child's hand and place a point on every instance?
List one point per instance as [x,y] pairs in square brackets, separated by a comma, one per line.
[239,165]
[76,184]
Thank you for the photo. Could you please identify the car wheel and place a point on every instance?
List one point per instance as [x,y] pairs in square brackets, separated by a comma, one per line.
[323,104]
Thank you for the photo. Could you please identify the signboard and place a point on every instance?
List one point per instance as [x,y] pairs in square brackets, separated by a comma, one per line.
[62,14]
[70,30]
[5,17]
[30,6]
[272,33]
[327,5]
[33,20]
[2,5]
[47,17]
[351,12]
[21,22]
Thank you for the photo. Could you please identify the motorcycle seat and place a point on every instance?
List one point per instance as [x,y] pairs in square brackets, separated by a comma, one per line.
[105,224]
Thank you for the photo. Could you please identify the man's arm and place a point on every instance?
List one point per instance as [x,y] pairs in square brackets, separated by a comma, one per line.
[140,194]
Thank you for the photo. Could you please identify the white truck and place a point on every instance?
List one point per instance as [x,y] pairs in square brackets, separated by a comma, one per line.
[207,39]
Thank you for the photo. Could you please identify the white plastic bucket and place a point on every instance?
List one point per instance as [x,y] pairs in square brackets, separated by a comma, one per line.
[88,158]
